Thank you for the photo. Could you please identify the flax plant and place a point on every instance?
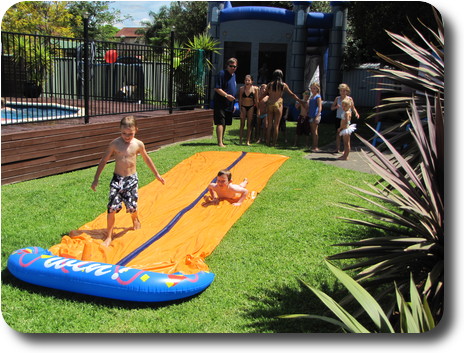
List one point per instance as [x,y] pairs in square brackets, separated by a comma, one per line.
[408,200]
[408,208]
[407,213]
[414,315]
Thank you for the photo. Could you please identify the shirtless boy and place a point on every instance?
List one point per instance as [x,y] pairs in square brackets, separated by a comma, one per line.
[262,103]
[223,189]
[303,126]
[124,185]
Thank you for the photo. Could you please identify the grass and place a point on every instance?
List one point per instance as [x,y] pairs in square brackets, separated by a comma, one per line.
[284,236]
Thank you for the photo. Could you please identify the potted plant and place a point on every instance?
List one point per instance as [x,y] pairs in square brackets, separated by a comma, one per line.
[184,81]
[190,68]
[37,60]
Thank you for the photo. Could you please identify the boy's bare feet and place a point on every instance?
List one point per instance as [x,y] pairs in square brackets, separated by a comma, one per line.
[342,158]
[137,224]
[107,241]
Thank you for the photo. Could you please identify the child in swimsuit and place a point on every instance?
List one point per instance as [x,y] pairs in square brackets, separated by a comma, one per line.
[223,189]
[261,127]
[345,91]
[124,185]
[247,100]
[302,125]
[314,114]
[275,90]
[346,128]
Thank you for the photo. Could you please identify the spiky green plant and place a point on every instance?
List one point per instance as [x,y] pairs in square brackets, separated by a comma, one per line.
[405,82]
[414,316]
[408,207]
[192,64]
[37,59]
[204,41]
[407,214]
[408,201]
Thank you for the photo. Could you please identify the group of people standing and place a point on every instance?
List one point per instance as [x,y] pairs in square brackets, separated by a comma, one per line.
[267,101]
[265,105]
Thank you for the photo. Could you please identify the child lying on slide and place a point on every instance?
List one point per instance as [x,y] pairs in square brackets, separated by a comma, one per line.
[223,189]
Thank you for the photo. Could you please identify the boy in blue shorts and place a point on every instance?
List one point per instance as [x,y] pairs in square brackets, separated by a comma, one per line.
[124,185]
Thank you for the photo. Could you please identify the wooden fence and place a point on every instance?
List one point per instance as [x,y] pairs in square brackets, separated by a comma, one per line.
[38,153]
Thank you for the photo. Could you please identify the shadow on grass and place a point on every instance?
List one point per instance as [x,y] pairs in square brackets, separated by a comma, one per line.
[199,144]
[325,159]
[272,303]
[286,138]
[9,280]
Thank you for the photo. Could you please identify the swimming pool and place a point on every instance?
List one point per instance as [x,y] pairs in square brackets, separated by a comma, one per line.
[14,113]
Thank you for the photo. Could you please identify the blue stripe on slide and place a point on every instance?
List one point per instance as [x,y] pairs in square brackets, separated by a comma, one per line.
[173,221]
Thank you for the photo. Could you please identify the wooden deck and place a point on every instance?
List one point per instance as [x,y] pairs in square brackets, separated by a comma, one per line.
[33,151]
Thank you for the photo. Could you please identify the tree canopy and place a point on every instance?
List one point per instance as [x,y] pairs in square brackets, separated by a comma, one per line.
[186,18]
[368,21]
[63,18]
[39,17]
[101,18]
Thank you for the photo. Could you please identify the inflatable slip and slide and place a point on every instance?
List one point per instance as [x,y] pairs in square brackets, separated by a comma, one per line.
[164,260]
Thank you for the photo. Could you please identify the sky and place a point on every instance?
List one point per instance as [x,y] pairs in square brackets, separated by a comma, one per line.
[139,10]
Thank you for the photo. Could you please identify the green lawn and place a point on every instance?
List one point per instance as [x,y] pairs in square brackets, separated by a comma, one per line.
[283,237]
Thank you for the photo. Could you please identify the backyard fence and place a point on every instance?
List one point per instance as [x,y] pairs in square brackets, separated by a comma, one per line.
[48,78]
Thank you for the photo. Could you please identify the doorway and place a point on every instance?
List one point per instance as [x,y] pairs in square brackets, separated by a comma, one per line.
[272,56]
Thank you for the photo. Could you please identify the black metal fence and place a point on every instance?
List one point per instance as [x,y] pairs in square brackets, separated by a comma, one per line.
[49,78]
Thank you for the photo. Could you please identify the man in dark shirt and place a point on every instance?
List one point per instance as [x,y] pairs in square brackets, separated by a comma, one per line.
[224,98]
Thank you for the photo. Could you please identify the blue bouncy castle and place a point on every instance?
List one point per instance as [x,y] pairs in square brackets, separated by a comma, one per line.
[305,45]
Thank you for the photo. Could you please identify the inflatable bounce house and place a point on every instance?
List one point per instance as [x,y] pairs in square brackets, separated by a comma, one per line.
[306,46]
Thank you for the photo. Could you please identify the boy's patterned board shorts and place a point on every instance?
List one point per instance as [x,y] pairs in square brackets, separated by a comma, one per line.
[302,126]
[123,189]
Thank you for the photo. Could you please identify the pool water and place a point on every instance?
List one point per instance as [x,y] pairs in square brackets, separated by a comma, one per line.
[16,113]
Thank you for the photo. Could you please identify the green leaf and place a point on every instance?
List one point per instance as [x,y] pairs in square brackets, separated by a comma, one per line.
[318,317]
[368,303]
[348,320]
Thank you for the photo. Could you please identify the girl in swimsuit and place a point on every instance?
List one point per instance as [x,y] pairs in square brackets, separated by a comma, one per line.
[345,91]
[261,123]
[275,90]
[346,128]
[247,100]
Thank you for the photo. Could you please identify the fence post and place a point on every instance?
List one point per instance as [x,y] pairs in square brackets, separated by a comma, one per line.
[208,83]
[86,68]
[171,70]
